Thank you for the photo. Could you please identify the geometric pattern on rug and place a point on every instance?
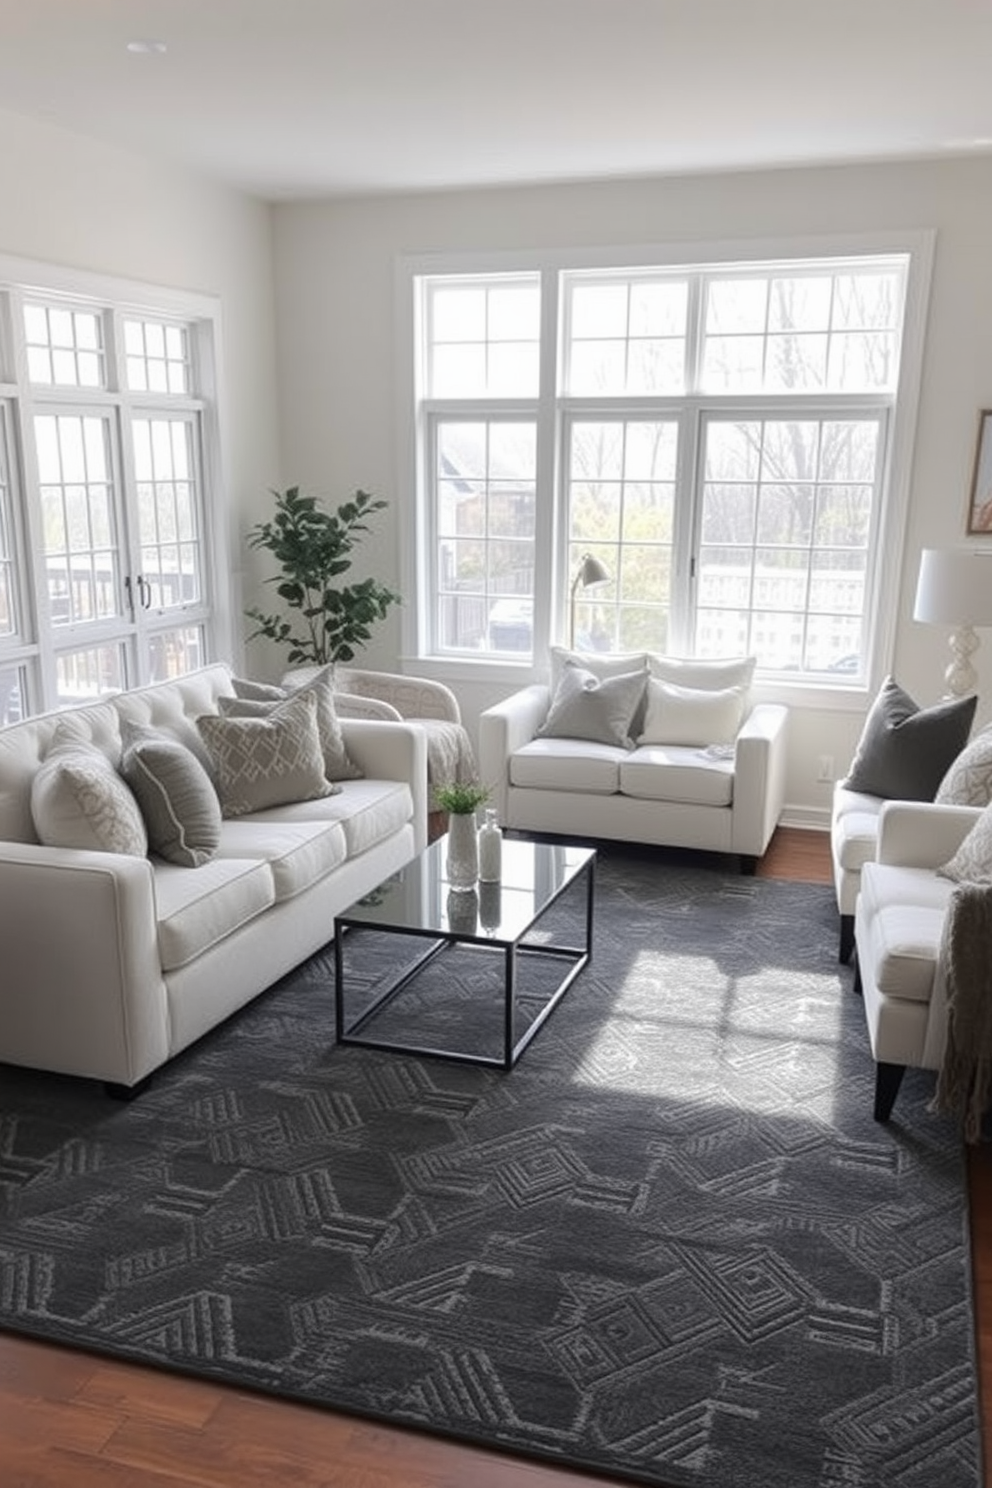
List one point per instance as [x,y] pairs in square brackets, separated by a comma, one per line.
[670,1245]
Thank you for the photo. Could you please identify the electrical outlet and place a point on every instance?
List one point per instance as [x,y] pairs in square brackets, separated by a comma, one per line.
[825,769]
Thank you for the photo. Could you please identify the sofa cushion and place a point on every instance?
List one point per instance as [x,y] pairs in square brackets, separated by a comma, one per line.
[972,863]
[601,710]
[905,751]
[338,764]
[707,672]
[176,796]
[602,664]
[198,910]
[968,782]
[678,774]
[300,853]
[567,765]
[691,715]
[369,811]
[78,800]
[262,762]
[854,828]
[902,915]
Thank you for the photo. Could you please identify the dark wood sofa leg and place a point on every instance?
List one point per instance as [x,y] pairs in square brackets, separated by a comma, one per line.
[749,864]
[846,939]
[888,1078]
[127,1092]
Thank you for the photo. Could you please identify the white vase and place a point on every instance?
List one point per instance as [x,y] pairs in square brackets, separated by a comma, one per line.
[463,850]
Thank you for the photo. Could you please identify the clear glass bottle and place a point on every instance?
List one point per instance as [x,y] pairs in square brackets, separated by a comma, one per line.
[490,848]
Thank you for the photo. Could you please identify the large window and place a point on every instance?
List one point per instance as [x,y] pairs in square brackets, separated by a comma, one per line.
[107,570]
[720,437]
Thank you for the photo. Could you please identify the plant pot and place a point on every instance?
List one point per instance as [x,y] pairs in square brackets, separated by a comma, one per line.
[463,851]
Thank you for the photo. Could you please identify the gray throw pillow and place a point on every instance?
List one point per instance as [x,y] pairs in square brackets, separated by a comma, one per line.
[969,780]
[599,709]
[972,863]
[176,796]
[262,762]
[338,764]
[905,751]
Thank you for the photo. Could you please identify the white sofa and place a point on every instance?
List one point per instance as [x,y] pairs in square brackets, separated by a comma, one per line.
[670,795]
[898,922]
[853,838]
[112,964]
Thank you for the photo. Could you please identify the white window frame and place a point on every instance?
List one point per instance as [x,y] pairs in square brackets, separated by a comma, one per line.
[34,650]
[890,514]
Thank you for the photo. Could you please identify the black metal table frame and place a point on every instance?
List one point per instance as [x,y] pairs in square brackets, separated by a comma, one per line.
[578,957]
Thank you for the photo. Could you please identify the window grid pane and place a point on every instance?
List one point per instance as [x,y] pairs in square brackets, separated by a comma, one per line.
[626,337]
[485,485]
[64,346]
[175,652]
[157,357]
[90,673]
[78,530]
[483,337]
[168,510]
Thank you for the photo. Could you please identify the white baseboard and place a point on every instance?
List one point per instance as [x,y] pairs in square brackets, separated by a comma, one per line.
[809,818]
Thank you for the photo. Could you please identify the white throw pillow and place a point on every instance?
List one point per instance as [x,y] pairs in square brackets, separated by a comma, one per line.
[692,715]
[705,672]
[972,863]
[79,800]
[601,664]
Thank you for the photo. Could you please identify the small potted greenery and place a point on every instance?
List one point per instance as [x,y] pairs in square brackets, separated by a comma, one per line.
[461,800]
[313,548]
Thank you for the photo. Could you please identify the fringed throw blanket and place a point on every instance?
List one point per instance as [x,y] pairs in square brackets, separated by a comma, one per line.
[964,1085]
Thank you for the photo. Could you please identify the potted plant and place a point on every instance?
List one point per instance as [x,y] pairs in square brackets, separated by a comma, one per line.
[313,548]
[461,801]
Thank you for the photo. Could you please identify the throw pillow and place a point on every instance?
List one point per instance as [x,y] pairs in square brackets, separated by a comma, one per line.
[602,664]
[704,672]
[905,751]
[692,715]
[79,800]
[257,692]
[176,797]
[969,780]
[586,707]
[338,764]
[262,762]
[972,863]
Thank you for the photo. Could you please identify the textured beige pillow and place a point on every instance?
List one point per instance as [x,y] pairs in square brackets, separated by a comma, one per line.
[338,764]
[176,796]
[972,863]
[268,761]
[79,800]
[968,782]
[692,715]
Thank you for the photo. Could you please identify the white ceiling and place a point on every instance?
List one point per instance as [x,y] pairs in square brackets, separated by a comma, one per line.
[296,98]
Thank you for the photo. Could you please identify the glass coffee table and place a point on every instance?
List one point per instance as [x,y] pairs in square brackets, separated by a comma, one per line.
[424,969]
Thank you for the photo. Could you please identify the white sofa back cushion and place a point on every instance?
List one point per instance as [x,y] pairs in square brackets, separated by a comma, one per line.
[692,715]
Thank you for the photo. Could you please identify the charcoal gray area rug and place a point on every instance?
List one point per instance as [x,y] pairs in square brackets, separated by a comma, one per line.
[671,1245]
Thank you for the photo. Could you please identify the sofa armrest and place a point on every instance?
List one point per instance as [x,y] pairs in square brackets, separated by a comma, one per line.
[82,991]
[503,728]
[760,761]
[412,697]
[352,705]
[392,751]
[921,834]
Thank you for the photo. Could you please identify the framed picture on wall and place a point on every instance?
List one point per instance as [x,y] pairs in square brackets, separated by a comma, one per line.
[980,505]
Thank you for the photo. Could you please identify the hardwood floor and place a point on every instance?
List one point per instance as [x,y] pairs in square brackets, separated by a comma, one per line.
[73,1420]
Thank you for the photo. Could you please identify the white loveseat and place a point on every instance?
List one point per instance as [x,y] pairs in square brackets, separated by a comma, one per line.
[114,963]
[723,798]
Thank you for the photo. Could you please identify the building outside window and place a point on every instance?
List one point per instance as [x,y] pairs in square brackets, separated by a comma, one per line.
[109,497]
[720,436]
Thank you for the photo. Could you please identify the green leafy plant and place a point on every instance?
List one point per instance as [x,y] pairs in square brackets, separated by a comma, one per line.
[460,799]
[313,548]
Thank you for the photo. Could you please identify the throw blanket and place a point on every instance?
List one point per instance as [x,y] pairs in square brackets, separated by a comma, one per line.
[964,1085]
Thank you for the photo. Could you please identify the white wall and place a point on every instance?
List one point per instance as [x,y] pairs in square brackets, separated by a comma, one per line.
[70,201]
[338,382]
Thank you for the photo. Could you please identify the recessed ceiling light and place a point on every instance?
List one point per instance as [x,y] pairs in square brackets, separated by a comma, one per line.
[147,47]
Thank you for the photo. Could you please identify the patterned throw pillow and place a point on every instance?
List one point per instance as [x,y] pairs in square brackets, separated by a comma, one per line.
[905,751]
[268,761]
[176,796]
[972,863]
[586,707]
[969,780]
[79,800]
[249,703]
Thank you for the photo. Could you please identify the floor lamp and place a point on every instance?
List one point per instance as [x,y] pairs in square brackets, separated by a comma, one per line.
[591,573]
[955,588]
